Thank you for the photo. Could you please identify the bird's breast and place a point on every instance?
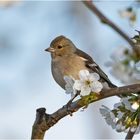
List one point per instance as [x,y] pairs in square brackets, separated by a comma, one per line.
[68,66]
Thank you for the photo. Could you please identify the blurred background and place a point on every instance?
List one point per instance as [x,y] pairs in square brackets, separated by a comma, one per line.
[26,83]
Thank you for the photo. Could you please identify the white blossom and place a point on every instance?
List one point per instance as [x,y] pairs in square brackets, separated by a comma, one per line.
[119,126]
[127,104]
[123,67]
[128,72]
[128,13]
[88,83]
[118,53]
[133,129]
[120,115]
[117,105]
[120,118]
[69,85]
[108,116]
[135,105]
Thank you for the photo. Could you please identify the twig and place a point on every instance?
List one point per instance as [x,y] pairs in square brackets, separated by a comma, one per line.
[45,121]
[107,21]
[129,135]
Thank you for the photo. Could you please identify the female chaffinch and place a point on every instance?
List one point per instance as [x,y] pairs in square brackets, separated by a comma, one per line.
[67,60]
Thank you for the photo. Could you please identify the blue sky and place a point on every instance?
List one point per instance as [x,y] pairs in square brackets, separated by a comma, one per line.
[26,83]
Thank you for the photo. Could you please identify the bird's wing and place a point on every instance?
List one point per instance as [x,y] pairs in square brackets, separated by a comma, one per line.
[93,66]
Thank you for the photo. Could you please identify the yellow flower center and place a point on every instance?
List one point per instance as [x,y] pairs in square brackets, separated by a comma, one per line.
[88,82]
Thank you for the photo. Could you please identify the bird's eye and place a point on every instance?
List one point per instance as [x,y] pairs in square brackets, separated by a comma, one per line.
[59,47]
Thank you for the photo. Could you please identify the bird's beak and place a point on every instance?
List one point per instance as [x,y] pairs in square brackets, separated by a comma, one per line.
[50,49]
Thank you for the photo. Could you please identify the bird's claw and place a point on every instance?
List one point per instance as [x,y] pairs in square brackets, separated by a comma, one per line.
[68,106]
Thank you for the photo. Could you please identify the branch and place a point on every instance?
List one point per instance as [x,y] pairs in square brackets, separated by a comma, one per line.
[129,135]
[107,21]
[45,121]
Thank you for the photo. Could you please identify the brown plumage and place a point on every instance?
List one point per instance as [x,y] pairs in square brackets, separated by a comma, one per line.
[69,60]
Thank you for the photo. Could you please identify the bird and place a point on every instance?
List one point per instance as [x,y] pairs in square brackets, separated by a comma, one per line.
[68,60]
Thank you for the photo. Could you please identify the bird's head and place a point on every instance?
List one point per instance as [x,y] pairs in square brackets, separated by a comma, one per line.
[61,46]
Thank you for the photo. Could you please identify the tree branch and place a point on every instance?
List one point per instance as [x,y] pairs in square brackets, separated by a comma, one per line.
[107,21]
[45,121]
[129,135]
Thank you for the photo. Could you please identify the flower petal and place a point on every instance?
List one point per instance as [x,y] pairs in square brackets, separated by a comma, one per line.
[69,85]
[117,105]
[68,89]
[133,129]
[97,86]
[78,84]
[94,77]
[83,74]
[69,80]
[85,90]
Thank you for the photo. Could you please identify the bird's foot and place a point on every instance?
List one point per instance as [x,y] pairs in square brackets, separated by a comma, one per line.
[68,105]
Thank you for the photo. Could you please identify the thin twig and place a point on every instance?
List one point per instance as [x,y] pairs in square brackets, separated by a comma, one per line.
[107,21]
[45,121]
